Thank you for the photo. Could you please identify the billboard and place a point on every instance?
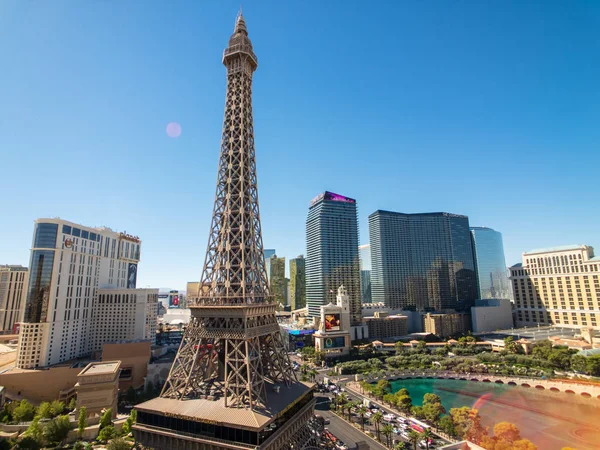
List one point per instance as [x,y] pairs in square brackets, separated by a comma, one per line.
[335,342]
[174,299]
[131,276]
[332,322]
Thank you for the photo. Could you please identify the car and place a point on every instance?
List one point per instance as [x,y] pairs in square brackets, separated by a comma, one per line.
[327,421]
[404,434]
[340,445]
[397,430]
[374,410]
[368,414]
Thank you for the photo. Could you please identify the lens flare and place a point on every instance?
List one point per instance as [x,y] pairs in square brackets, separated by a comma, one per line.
[173,130]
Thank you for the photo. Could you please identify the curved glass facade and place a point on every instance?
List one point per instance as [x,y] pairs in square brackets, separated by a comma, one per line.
[492,278]
[40,275]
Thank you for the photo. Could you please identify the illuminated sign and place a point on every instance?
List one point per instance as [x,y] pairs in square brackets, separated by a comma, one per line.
[332,322]
[335,342]
[174,299]
[132,276]
[68,243]
[129,237]
[331,197]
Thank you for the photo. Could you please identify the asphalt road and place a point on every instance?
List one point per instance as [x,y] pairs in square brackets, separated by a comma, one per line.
[344,431]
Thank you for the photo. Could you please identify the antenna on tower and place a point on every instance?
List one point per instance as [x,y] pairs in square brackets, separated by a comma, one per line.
[240,11]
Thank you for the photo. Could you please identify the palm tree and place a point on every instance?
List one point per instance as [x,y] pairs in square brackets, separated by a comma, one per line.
[377,419]
[413,438]
[342,400]
[312,374]
[362,410]
[348,406]
[400,446]
[426,435]
[387,430]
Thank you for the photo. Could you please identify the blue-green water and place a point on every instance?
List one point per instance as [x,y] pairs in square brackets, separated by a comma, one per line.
[551,420]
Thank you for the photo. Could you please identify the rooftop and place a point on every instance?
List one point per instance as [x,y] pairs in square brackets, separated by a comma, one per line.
[560,248]
[215,411]
[101,368]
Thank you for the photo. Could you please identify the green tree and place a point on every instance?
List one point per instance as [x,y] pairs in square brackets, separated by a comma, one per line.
[56,430]
[399,347]
[35,431]
[129,422]
[78,445]
[467,424]
[418,412]
[24,412]
[107,433]
[422,347]
[348,406]
[387,431]
[57,408]
[579,363]
[118,444]
[432,408]
[73,404]
[377,419]
[413,438]
[28,443]
[362,410]
[404,403]
[593,365]
[106,419]
[44,411]
[400,446]
[82,420]
[447,425]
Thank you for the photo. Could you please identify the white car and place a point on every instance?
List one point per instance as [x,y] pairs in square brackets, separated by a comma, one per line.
[374,410]
[368,414]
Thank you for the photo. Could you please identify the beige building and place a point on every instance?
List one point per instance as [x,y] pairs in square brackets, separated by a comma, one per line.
[98,387]
[383,325]
[58,382]
[125,315]
[558,286]
[13,291]
[70,264]
[447,324]
[333,335]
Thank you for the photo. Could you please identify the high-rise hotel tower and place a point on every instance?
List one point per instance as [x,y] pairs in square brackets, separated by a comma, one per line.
[231,385]
[332,253]
[66,315]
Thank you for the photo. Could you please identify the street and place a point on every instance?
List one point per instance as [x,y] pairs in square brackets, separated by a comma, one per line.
[342,429]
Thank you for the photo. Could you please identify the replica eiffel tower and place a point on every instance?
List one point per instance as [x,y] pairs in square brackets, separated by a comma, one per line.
[231,384]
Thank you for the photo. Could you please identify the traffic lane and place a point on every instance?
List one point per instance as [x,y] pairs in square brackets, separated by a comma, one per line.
[347,433]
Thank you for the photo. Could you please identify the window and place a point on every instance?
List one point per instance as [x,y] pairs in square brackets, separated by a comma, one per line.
[76,232]
[85,234]
[93,236]
[66,229]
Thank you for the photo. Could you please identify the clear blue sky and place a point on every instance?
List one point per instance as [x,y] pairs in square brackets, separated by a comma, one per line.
[490,109]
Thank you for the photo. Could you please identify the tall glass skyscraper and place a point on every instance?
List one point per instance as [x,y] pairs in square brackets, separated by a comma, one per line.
[332,253]
[422,262]
[268,252]
[492,278]
[298,282]
[364,252]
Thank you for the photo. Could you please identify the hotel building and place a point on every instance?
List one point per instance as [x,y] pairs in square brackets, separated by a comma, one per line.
[332,254]
[557,286]
[70,265]
[13,284]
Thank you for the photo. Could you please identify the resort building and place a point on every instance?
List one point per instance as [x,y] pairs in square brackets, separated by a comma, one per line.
[557,286]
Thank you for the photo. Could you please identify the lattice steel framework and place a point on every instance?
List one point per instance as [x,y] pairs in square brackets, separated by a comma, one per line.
[233,343]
